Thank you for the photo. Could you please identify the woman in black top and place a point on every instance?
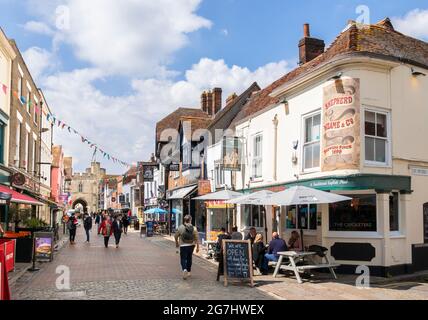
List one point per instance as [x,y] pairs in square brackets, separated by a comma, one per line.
[259,250]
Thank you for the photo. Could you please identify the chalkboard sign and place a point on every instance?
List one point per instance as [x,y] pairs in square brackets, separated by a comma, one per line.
[149,228]
[238,261]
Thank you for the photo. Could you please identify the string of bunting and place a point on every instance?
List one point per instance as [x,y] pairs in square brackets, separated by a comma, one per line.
[61,124]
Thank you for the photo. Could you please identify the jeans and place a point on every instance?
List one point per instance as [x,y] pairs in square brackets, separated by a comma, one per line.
[186,254]
[87,234]
[117,236]
[72,235]
[106,240]
[269,257]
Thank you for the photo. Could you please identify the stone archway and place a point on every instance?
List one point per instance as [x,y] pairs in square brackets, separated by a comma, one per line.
[80,204]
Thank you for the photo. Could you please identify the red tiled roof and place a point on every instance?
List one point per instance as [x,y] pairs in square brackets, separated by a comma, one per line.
[380,39]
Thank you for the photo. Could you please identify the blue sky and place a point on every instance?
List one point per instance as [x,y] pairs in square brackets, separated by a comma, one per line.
[118,70]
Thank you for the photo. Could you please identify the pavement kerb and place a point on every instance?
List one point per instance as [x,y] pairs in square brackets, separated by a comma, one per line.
[377,280]
[14,277]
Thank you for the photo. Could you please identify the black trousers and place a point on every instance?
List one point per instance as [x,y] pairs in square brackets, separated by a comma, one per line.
[186,254]
[72,234]
[106,240]
[87,234]
[117,236]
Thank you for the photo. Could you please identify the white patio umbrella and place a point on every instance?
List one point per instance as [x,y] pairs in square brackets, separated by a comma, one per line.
[220,195]
[300,195]
[257,199]
[252,198]
[223,195]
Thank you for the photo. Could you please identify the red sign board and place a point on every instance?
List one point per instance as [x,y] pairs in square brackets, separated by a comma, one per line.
[4,281]
[7,248]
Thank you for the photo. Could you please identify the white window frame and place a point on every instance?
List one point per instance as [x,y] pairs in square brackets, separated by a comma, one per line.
[399,232]
[219,175]
[33,153]
[388,152]
[296,222]
[28,103]
[257,158]
[26,150]
[303,139]
[20,80]
[36,100]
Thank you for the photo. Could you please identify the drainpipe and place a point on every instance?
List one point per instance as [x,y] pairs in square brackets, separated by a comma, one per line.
[275,122]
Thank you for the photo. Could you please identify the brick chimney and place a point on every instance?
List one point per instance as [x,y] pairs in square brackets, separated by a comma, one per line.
[204,102]
[309,48]
[210,103]
[216,100]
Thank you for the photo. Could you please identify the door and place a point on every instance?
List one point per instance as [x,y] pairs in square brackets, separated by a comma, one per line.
[426,222]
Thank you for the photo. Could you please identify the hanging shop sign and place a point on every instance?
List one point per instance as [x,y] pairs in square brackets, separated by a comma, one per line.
[204,187]
[341,139]
[18,179]
[231,154]
[174,167]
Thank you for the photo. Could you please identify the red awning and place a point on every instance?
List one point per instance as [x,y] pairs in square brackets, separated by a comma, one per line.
[19,197]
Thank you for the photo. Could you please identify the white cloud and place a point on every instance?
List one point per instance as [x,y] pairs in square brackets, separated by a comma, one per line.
[127,37]
[39,61]
[414,23]
[38,27]
[137,39]
[125,126]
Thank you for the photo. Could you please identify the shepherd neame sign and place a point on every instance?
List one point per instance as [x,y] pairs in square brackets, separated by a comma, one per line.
[341,125]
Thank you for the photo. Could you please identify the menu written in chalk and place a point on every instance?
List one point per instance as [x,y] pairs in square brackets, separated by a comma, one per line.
[237,260]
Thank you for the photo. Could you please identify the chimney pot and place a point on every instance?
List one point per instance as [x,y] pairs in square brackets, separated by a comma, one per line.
[306,30]
[217,100]
[309,48]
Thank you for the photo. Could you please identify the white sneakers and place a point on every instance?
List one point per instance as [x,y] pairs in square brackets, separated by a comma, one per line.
[185,274]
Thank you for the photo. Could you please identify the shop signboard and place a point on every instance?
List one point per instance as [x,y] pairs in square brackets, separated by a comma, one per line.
[7,248]
[231,154]
[341,125]
[238,261]
[174,167]
[148,172]
[43,242]
[218,204]
[204,187]
[149,228]
[4,281]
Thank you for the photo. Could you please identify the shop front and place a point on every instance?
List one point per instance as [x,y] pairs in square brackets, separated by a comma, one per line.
[180,205]
[219,215]
[372,229]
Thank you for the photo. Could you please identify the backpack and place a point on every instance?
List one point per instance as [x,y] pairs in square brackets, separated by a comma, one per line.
[187,235]
[71,224]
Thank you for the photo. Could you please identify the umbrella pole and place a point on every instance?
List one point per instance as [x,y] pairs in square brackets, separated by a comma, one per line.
[301,238]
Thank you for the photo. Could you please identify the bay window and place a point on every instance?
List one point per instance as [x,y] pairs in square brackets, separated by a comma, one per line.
[311,147]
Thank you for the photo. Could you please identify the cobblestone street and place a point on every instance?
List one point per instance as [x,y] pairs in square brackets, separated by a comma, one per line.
[149,269]
[139,269]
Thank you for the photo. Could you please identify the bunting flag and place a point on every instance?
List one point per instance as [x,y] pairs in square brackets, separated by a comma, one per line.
[61,124]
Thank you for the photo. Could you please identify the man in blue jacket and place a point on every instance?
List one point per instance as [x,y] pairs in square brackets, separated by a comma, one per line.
[276,245]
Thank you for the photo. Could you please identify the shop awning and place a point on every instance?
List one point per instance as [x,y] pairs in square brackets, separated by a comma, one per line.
[220,195]
[181,193]
[19,197]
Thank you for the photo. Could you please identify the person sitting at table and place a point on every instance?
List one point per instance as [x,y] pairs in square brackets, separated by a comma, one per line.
[276,245]
[295,244]
[259,250]
[251,235]
[235,234]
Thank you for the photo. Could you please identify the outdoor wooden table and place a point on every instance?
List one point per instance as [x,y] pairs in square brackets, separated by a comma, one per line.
[296,257]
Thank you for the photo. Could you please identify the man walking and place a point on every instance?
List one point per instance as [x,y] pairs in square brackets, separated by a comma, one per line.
[186,238]
[87,224]
[72,226]
[98,221]
[117,229]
